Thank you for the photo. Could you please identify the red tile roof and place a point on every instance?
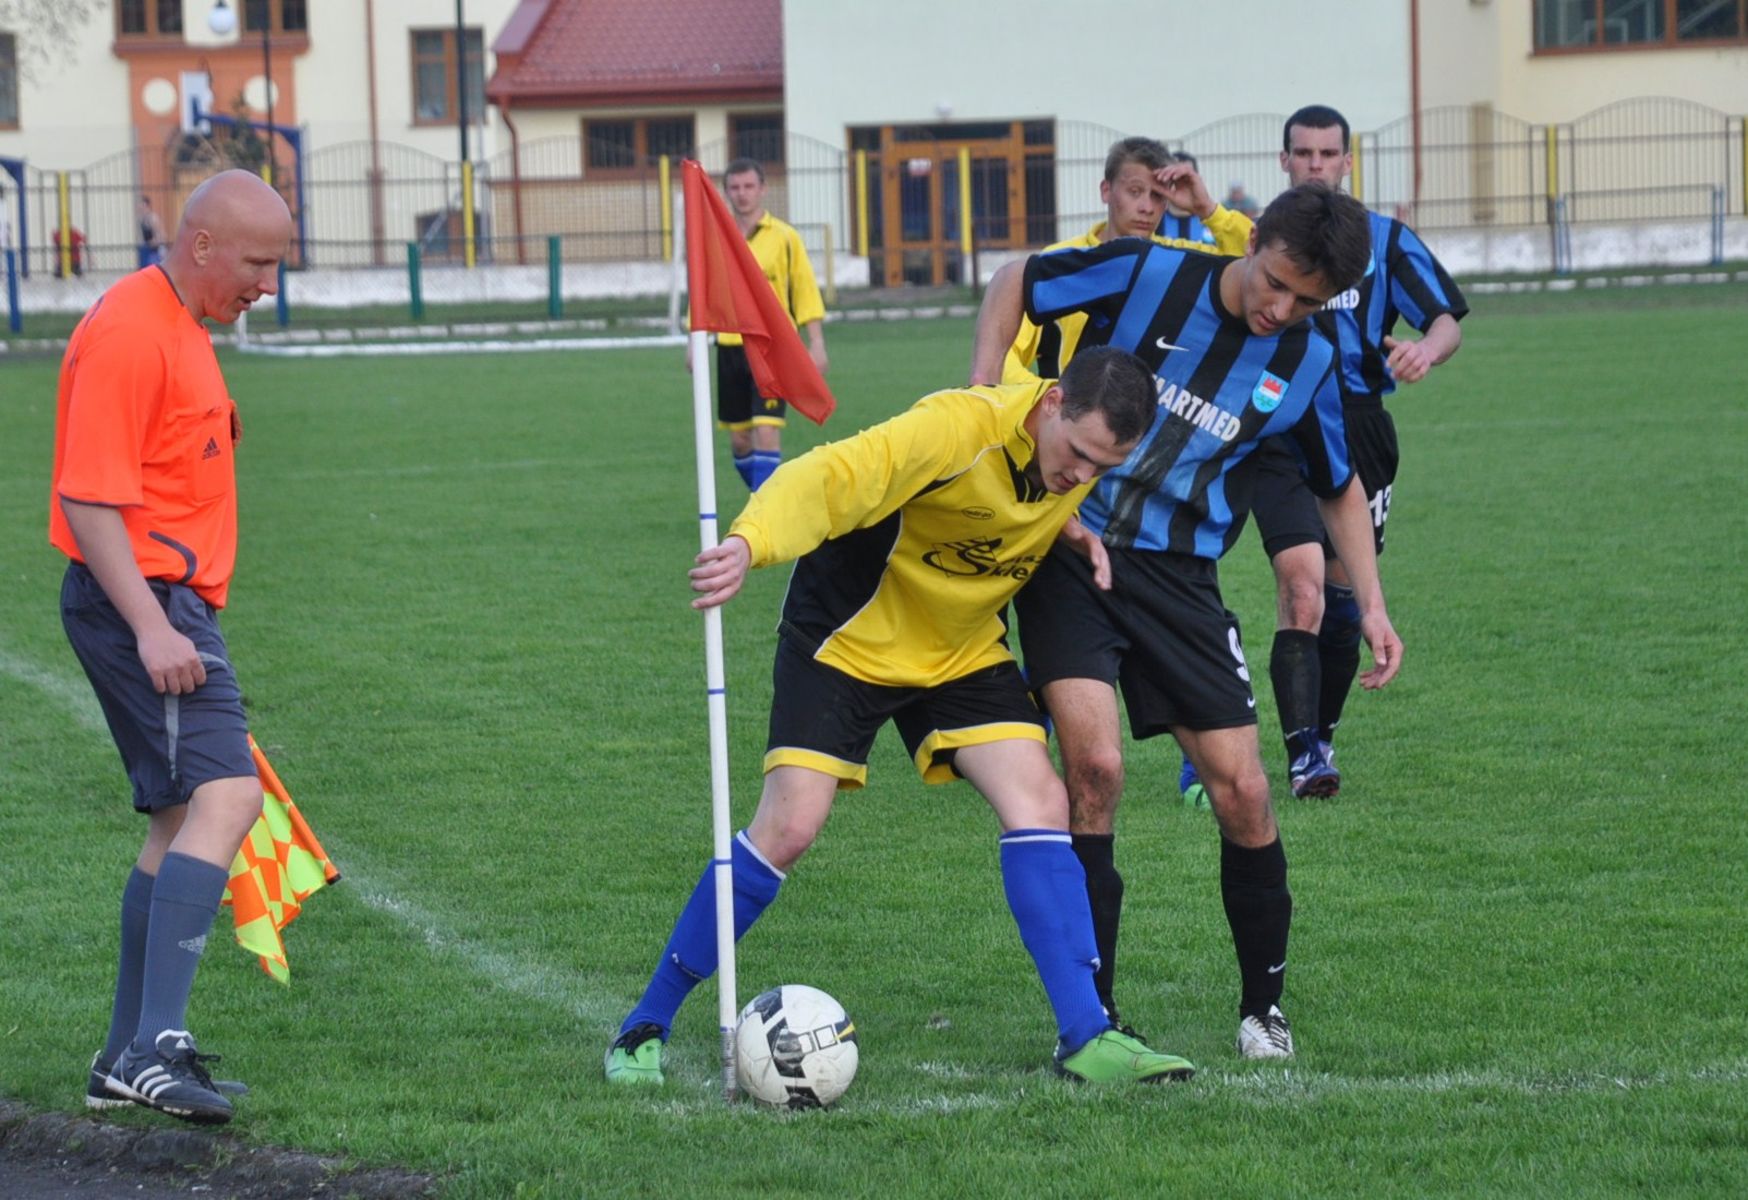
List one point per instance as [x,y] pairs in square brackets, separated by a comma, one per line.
[593,53]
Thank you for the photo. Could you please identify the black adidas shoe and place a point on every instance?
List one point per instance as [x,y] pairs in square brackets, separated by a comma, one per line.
[171,1078]
[98,1095]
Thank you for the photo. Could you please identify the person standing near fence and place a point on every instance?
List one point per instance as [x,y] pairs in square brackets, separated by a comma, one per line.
[1316,651]
[143,503]
[754,422]
[151,232]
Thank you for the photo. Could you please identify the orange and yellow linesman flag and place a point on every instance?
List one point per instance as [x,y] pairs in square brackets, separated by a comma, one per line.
[280,865]
[730,294]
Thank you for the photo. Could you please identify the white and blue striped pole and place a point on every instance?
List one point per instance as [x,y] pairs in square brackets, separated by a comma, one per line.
[716,693]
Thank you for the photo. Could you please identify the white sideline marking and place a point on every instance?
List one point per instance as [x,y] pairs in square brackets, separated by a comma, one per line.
[568,993]
[74,695]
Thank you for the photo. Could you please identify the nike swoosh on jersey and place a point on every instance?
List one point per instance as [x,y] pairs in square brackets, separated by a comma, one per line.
[1165,345]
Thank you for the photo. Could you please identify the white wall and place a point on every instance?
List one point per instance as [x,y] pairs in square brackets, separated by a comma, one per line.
[1165,67]
[1485,52]
[59,95]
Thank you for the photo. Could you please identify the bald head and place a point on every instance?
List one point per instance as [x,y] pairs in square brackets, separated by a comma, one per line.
[235,232]
[232,201]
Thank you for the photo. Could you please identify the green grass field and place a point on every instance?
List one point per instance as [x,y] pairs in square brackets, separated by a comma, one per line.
[461,622]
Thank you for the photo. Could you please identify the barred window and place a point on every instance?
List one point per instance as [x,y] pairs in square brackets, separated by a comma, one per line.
[630,143]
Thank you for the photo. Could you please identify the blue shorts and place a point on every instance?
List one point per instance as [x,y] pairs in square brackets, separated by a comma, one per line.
[169,744]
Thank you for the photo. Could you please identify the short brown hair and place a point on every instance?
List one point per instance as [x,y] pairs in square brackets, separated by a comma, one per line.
[1149,152]
[1323,231]
[1116,383]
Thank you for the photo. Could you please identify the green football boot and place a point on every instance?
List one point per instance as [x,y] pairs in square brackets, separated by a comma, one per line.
[636,1056]
[1118,1057]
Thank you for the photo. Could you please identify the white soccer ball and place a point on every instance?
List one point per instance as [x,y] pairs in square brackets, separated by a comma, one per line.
[795,1048]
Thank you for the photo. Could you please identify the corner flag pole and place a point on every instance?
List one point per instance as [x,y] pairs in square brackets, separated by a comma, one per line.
[716,693]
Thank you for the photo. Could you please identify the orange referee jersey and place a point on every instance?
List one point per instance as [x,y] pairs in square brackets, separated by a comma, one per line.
[144,424]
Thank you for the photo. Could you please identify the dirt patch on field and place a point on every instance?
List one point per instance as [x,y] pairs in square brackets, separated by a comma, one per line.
[53,1156]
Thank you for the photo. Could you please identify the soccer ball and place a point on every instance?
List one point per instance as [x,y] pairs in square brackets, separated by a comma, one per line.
[794,1048]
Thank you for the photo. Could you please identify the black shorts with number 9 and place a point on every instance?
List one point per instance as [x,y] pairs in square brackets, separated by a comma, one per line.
[1162,634]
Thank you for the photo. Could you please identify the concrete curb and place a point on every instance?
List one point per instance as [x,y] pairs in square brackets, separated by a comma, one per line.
[76,1143]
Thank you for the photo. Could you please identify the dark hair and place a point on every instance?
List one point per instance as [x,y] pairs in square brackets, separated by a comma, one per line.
[1116,383]
[1314,116]
[1149,152]
[1184,156]
[741,166]
[1323,231]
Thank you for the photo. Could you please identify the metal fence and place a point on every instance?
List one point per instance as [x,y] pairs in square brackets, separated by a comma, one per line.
[360,205]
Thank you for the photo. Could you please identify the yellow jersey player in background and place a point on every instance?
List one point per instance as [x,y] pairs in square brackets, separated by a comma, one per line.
[1144,182]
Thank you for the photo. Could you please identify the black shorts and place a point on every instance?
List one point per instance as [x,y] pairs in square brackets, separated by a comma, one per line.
[169,744]
[738,403]
[1162,634]
[824,719]
[1371,442]
[1284,506]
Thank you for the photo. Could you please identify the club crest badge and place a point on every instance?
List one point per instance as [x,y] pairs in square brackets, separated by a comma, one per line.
[1269,390]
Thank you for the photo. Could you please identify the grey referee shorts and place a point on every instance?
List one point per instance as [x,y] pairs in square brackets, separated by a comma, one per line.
[169,744]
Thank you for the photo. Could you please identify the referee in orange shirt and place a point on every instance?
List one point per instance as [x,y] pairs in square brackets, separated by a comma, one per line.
[144,503]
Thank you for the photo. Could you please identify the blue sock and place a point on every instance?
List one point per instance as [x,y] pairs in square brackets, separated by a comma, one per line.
[136,915]
[764,463]
[185,899]
[743,465]
[689,958]
[1046,890]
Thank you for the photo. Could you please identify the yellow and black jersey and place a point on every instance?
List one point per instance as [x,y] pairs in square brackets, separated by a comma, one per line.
[1043,352]
[783,259]
[911,537]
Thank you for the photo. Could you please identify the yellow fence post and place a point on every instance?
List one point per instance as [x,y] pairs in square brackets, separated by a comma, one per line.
[1357,177]
[467,214]
[831,274]
[63,191]
[1745,164]
[862,203]
[965,212]
[666,172]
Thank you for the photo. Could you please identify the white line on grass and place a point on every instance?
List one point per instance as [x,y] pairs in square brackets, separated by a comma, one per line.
[569,993]
[73,695]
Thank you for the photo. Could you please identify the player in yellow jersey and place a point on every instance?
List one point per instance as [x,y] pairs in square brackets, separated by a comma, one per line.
[1143,183]
[910,539]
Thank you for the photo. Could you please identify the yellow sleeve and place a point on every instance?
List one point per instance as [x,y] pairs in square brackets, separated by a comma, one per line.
[1016,367]
[1231,230]
[805,304]
[843,486]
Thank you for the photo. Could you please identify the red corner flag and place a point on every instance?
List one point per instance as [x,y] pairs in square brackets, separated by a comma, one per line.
[731,295]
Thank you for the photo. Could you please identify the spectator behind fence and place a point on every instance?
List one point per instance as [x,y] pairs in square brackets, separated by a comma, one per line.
[1238,200]
[77,255]
[151,233]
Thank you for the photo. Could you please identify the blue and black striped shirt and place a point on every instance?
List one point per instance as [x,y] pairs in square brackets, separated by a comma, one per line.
[1221,390]
[1402,280]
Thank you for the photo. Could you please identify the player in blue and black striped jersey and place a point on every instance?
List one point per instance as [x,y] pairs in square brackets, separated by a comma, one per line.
[1316,649]
[1235,362]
